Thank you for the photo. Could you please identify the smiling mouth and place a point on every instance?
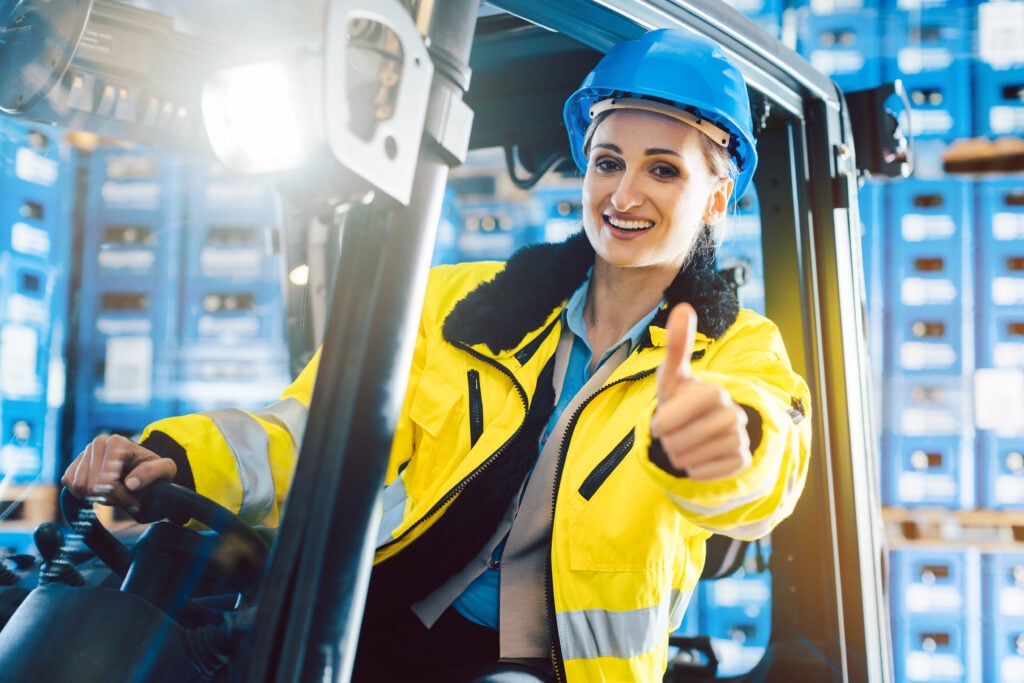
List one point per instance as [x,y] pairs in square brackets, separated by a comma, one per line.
[633,225]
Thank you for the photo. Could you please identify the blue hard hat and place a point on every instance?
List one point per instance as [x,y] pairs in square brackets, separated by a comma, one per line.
[689,72]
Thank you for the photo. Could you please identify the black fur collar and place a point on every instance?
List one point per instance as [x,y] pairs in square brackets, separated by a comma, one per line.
[540,277]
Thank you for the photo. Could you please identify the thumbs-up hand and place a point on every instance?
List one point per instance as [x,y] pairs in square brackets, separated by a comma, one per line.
[702,431]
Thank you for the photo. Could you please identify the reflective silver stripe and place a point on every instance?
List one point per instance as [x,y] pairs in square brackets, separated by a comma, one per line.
[729,506]
[290,414]
[249,444]
[678,603]
[393,502]
[754,529]
[592,633]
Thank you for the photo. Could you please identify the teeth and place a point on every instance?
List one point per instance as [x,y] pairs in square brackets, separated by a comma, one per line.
[629,225]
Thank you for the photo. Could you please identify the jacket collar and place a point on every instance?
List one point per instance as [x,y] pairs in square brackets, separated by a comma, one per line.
[540,278]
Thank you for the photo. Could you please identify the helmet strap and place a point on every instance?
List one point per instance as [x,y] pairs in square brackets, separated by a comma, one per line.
[717,135]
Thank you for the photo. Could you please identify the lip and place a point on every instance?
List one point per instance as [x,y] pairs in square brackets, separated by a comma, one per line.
[626,233]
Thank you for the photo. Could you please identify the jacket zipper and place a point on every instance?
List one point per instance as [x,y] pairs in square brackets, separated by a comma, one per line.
[476,408]
[458,488]
[549,588]
[604,468]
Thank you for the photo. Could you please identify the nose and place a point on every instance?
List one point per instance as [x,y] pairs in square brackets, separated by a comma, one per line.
[627,194]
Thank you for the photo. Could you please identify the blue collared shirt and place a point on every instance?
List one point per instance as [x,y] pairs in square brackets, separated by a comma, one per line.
[479,602]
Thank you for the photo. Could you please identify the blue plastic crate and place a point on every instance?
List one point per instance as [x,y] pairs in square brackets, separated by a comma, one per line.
[926,404]
[927,582]
[929,339]
[1000,471]
[845,46]
[937,650]
[735,612]
[494,230]
[936,39]
[1003,620]
[22,430]
[940,101]
[928,471]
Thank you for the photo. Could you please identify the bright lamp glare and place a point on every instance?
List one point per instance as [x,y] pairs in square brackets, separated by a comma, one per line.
[299,276]
[254,119]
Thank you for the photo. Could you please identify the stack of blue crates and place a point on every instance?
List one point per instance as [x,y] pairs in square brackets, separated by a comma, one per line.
[739,239]
[34,252]
[936,614]
[928,454]
[233,349]
[128,305]
[928,47]
[493,229]
[1002,604]
[1000,294]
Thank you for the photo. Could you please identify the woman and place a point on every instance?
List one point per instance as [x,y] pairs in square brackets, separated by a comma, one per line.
[578,421]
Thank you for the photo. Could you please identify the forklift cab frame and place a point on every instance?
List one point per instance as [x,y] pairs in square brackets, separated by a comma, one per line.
[501,71]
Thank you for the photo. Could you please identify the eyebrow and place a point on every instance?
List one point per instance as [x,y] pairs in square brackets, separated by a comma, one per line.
[650,151]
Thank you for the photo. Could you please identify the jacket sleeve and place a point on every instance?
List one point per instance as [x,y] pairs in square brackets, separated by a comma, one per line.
[242,460]
[751,363]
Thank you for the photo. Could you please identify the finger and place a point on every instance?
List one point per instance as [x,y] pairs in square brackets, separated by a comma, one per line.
[680,332]
[692,403]
[713,428]
[724,445]
[150,471]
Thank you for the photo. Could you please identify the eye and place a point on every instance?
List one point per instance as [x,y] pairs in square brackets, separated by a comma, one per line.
[664,171]
[606,164]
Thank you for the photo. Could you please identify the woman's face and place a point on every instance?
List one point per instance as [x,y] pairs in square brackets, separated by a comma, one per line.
[647,190]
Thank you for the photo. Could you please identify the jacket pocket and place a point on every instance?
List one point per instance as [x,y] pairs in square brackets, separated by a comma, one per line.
[606,467]
[433,406]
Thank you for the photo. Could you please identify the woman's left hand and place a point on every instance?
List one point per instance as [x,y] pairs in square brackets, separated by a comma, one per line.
[702,430]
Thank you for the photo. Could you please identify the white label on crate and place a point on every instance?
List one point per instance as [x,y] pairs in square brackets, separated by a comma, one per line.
[837,62]
[1011,601]
[928,422]
[913,487]
[19,460]
[1011,669]
[1003,119]
[235,326]
[999,399]
[1009,490]
[36,169]
[924,598]
[833,6]
[128,370]
[1007,291]
[917,227]
[26,309]
[1008,355]
[234,194]
[120,259]
[231,263]
[56,382]
[1001,33]
[921,355]
[486,242]
[928,666]
[1008,226]
[131,195]
[112,327]
[914,60]
[19,349]
[734,592]
[930,121]
[29,240]
[560,229]
[917,291]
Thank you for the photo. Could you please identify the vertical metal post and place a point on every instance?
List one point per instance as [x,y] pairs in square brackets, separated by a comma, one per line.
[307,625]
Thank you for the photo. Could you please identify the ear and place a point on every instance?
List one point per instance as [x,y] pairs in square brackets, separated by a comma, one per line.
[718,201]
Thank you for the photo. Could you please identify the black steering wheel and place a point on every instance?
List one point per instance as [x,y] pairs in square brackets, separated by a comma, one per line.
[160,501]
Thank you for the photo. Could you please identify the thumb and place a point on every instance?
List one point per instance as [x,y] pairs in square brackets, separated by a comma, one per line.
[680,332]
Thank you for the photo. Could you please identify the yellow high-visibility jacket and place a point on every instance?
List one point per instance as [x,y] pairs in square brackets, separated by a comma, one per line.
[627,544]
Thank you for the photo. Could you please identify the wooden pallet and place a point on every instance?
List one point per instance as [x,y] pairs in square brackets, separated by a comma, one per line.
[26,507]
[985,529]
